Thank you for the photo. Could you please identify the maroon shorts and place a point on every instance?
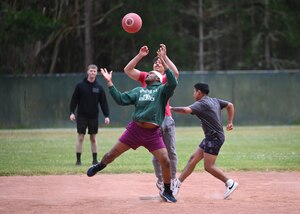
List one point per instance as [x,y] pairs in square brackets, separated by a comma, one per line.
[135,136]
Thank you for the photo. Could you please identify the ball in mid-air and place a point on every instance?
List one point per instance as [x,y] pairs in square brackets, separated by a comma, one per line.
[132,23]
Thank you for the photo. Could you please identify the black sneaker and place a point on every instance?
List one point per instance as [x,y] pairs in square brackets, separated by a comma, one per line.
[92,170]
[78,163]
[168,197]
[95,162]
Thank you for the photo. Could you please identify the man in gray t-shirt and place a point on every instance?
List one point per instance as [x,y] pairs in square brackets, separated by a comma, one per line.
[208,110]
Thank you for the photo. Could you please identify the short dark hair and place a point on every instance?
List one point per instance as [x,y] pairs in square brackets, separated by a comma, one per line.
[203,87]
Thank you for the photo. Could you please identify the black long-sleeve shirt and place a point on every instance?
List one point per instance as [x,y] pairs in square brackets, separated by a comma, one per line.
[86,97]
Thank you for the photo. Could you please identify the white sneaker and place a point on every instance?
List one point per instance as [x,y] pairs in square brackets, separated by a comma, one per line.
[175,185]
[160,186]
[230,185]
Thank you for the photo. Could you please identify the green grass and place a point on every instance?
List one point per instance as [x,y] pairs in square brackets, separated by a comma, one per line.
[52,151]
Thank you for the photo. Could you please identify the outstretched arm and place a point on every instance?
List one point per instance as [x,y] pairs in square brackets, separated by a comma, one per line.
[163,50]
[126,98]
[230,112]
[172,82]
[182,110]
[107,76]
[130,69]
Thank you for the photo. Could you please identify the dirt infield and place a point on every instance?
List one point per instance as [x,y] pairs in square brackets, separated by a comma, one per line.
[259,192]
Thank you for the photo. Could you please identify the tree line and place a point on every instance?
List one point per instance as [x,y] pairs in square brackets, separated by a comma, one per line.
[46,37]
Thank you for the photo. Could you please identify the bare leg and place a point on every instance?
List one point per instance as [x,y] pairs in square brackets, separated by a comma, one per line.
[168,133]
[193,161]
[209,166]
[94,148]
[162,156]
[115,152]
[79,143]
[109,157]
[93,140]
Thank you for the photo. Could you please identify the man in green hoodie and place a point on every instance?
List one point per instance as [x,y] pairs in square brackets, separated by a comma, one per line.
[144,129]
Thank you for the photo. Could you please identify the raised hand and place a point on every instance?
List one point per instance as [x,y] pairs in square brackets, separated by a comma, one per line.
[162,59]
[163,50]
[144,51]
[107,76]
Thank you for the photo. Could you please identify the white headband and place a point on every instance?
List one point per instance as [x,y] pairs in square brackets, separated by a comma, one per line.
[158,75]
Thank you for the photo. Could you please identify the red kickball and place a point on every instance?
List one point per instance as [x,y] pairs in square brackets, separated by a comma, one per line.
[132,23]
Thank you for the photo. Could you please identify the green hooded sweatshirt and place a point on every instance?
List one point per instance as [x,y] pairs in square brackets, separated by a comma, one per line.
[150,102]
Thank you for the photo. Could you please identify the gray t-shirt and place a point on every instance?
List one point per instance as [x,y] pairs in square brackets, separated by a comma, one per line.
[208,110]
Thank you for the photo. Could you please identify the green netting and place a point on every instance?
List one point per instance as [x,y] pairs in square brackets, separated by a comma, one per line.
[260,98]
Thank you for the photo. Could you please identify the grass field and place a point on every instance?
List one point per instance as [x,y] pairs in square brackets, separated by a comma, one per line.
[52,151]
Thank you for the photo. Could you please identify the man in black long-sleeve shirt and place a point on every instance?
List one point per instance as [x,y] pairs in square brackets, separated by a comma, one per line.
[87,96]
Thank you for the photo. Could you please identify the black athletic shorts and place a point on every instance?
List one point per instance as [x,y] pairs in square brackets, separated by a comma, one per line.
[211,146]
[91,124]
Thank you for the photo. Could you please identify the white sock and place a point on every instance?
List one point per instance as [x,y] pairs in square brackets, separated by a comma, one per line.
[229,182]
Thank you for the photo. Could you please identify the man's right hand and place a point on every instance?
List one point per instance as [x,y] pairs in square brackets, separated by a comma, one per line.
[107,76]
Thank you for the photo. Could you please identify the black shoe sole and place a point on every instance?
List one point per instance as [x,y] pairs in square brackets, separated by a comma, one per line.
[90,172]
[167,200]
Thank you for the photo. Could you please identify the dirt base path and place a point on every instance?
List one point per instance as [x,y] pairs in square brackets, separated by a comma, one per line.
[259,192]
